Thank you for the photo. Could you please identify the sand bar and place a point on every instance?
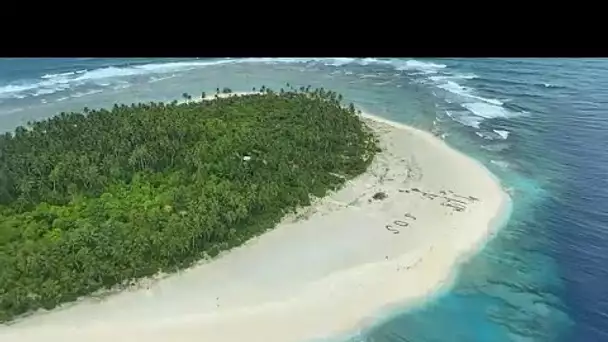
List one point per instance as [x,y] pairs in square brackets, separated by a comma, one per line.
[328,273]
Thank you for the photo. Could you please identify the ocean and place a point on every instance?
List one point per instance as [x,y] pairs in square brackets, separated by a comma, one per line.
[540,125]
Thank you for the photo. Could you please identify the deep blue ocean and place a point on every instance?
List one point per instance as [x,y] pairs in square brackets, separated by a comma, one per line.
[540,125]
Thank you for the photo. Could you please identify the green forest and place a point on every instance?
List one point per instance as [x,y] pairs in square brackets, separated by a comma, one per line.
[97,199]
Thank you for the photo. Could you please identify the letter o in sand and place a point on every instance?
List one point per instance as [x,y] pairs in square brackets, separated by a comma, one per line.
[401,223]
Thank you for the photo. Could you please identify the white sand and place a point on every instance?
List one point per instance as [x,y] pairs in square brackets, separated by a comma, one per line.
[329,274]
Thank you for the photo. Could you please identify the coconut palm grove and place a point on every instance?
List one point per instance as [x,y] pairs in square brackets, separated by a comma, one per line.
[95,200]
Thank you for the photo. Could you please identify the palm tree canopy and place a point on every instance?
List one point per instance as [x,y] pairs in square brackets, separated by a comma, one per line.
[93,201]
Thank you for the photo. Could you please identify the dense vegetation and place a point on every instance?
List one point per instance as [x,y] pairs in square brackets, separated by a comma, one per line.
[96,199]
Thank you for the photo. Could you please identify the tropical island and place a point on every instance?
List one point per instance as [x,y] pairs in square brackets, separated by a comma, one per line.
[97,199]
[309,219]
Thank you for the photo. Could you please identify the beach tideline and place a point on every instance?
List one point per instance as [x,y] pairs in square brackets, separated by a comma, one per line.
[391,236]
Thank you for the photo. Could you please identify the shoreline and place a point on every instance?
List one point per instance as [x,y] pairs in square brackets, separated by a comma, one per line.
[315,298]
[496,223]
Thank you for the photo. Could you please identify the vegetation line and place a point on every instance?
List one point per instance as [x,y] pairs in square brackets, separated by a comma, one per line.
[93,200]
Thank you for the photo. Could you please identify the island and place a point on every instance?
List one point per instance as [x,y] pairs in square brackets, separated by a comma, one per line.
[271,215]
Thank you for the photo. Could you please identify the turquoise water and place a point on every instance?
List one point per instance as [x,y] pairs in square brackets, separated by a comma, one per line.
[540,125]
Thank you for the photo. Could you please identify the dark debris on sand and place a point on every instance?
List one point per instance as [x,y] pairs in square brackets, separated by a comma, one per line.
[380,195]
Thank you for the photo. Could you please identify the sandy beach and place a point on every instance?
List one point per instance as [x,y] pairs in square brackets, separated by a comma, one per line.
[329,270]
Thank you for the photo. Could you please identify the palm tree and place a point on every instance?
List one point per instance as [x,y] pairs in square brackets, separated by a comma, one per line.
[146,187]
